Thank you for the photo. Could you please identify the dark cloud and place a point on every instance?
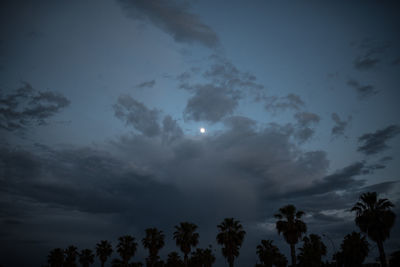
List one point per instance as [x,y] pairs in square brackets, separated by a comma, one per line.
[219,96]
[396,61]
[147,84]
[340,125]
[365,63]
[174,18]
[363,91]
[305,123]
[373,143]
[28,106]
[340,180]
[276,104]
[211,103]
[372,50]
[137,115]
[246,171]
[306,118]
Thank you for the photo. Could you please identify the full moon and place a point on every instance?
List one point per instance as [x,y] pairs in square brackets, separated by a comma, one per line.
[202,130]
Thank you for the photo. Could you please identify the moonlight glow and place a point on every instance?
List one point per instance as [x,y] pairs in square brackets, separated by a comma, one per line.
[202,130]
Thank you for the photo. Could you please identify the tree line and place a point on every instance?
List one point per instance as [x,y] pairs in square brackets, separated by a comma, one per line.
[374,217]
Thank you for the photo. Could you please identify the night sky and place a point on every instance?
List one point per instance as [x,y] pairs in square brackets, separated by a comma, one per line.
[102,102]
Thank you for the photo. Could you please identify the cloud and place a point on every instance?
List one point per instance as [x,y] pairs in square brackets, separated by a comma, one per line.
[137,115]
[305,123]
[340,125]
[396,61]
[365,63]
[276,104]
[28,106]
[134,182]
[371,50]
[211,103]
[219,96]
[147,84]
[374,143]
[363,91]
[174,18]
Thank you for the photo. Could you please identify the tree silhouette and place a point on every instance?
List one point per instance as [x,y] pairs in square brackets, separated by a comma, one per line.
[269,255]
[153,241]
[103,251]
[394,259]
[71,253]
[86,257]
[375,218]
[126,248]
[291,226]
[230,236]
[202,258]
[353,251]
[174,260]
[186,238]
[312,251]
[56,258]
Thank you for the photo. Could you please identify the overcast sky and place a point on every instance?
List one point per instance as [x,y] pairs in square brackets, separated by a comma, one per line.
[101,105]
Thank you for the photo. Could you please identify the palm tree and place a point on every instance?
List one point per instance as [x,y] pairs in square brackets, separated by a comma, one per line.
[354,250]
[230,236]
[375,218]
[103,251]
[174,260]
[202,258]
[291,226]
[153,241]
[270,255]
[394,259]
[86,257]
[312,251]
[126,248]
[186,238]
[71,253]
[56,257]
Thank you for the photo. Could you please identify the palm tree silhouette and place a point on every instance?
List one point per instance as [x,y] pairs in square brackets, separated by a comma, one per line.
[312,251]
[71,253]
[291,226]
[86,257]
[230,236]
[153,241]
[354,250]
[56,258]
[186,238]
[202,258]
[375,218]
[394,259]
[174,260]
[126,248]
[103,251]
[270,255]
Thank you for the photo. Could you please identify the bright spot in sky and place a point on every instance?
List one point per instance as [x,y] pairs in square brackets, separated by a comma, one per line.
[202,130]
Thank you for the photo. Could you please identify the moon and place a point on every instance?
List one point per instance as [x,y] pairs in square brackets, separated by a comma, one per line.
[202,130]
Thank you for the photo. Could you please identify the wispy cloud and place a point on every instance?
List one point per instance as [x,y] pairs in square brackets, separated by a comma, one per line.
[173,17]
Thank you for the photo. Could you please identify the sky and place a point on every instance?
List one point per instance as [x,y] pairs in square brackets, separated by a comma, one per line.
[102,102]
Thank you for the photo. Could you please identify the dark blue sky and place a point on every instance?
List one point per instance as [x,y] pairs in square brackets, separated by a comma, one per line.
[101,103]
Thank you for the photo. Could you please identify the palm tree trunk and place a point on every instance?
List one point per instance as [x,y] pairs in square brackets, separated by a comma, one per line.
[293,254]
[382,255]
[102,263]
[231,263]
[186,260]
